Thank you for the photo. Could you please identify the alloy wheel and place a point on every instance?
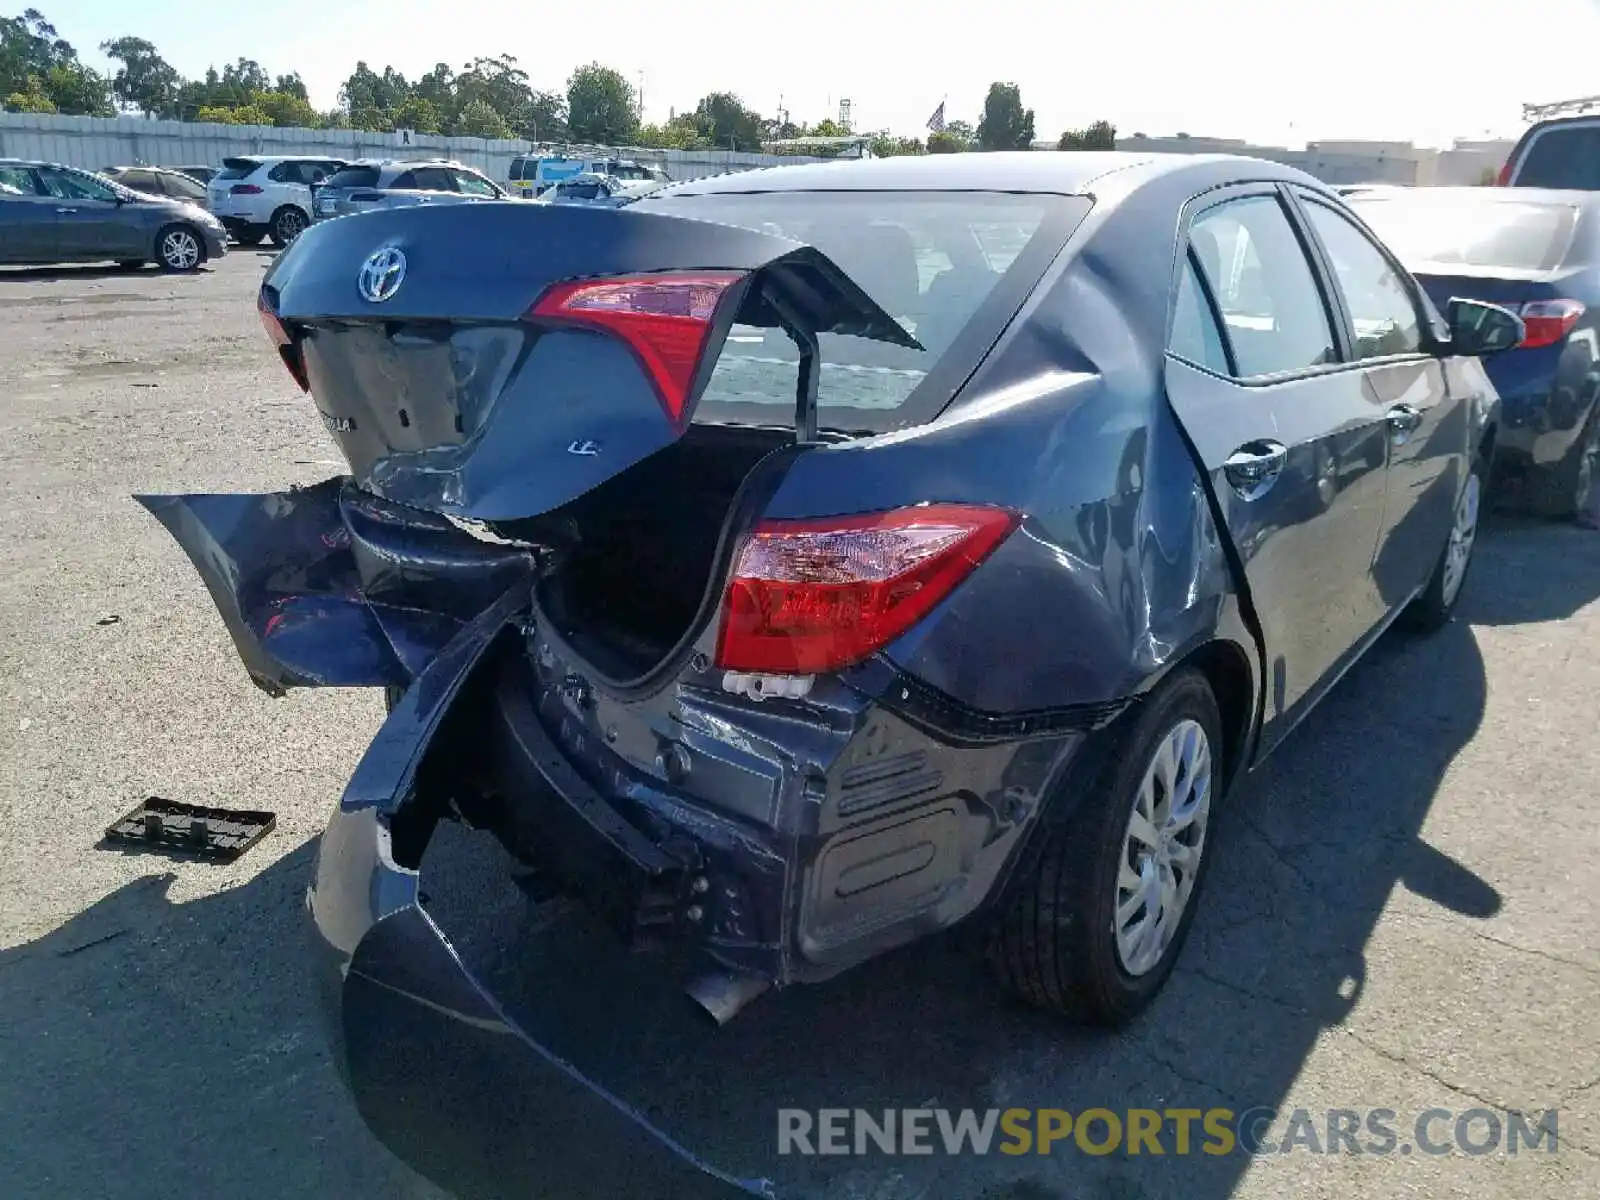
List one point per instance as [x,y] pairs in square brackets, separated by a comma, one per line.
[291,224]
[1162,846]
[180,250]
[1463,533]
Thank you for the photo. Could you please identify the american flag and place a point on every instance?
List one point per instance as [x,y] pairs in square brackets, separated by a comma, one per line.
[936,122]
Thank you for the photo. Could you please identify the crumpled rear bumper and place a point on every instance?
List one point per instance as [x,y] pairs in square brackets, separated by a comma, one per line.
[440,1072]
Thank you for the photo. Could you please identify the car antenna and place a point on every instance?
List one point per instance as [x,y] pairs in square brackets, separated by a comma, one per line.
[810,366]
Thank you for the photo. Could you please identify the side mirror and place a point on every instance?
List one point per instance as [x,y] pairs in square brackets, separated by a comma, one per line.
[1478,328]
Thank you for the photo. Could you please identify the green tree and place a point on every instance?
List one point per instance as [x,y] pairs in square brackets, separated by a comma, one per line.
[677,134]
[478,119]
[285,109]
[370,120]
[501,84]
[246,77]
[292,85]
[945,142]
[366,90]
[144,80]
[722,120]
[36,61]
[600,106]
[419,114]
[884,146]
[1006,125]
[963,131]
[250,114]
[217,114]
[1102,135]
[547,117]
[31,101]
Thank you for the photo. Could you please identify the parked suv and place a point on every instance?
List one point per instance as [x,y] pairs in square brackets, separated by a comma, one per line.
[259,197]
[159,181]
[1563,153]
[50,213]
[364,186]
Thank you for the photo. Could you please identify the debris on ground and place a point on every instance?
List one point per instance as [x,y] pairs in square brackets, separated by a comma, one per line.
[190,830]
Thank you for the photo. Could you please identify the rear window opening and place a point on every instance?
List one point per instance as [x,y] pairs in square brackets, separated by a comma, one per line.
[237,168]
[931,260]
[1563,156]
[353,177]
[1455,230]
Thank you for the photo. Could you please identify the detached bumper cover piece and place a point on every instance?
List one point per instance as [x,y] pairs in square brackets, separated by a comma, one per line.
[425,1047]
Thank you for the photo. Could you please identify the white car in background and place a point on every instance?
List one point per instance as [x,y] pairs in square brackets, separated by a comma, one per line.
[257,196]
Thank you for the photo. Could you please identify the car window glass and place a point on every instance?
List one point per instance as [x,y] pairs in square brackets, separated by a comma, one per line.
[1562,157]
[17,181]
[1196,337]
[472,185]
[1263,283]
[140,181]
[405,181]
[355,177]
[182,186]
[432,179]
[69,185]
[1381,308]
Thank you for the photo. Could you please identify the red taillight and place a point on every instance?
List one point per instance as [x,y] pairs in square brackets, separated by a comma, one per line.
[814,596]
[244,189]
[1504,178]
[1546,322]
[285,344]
[664,319]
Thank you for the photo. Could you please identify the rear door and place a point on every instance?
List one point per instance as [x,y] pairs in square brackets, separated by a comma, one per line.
[1425,425]
[1288,433]
[27,218]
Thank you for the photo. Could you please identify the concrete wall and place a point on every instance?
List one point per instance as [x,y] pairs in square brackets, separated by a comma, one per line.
[96,143]
[1339,162]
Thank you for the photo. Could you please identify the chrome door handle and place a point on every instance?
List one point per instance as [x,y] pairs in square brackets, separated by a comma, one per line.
[66,210]
[1403,419]
[1254,467]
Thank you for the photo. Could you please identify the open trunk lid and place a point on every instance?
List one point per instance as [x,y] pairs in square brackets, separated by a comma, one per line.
[497,360]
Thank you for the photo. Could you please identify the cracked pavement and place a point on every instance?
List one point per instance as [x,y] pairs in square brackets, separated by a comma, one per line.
[1401,910]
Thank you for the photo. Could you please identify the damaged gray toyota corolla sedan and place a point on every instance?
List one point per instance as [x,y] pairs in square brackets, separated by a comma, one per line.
[798,563]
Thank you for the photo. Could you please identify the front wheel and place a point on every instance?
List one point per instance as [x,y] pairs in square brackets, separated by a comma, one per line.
[288,223]
[1101,904]
[1432,609]
[178,249]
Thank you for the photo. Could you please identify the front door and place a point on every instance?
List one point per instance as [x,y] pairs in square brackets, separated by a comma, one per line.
[1289,435]
[91,221]
[1427,425]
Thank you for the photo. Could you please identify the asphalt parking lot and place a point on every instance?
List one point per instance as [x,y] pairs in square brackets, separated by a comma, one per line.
[1402,913]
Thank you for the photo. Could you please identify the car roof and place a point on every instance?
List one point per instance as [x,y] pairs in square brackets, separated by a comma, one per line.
[1497,195]
[1046,171]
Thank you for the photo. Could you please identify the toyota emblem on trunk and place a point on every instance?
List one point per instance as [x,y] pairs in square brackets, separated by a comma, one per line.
[382,274]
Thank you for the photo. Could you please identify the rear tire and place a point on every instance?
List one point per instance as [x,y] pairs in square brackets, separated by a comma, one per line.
[1568,490]
[1058,943]
[287,224]
[1431,611]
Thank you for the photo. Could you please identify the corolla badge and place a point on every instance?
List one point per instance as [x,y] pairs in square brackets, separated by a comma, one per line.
[382,274]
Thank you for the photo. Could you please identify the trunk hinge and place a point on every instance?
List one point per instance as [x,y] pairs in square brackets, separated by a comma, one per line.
[806,386]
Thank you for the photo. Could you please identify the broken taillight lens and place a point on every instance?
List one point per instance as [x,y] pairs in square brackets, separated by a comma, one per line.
[813,596]
[665,319]
[288,349]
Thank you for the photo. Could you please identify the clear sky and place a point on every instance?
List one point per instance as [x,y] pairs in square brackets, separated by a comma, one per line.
[1266,70]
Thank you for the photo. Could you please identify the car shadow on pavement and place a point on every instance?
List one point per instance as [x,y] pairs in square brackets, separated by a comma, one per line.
[1309,854]
[156,1049]
[69,274]
[1550,569]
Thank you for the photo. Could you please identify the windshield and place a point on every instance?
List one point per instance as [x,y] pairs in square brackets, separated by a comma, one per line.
[1452,229]
[236,168]
[930,259]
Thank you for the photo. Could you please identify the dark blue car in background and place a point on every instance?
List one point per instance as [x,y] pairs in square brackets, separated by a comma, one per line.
[793,564]
[1537,252]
